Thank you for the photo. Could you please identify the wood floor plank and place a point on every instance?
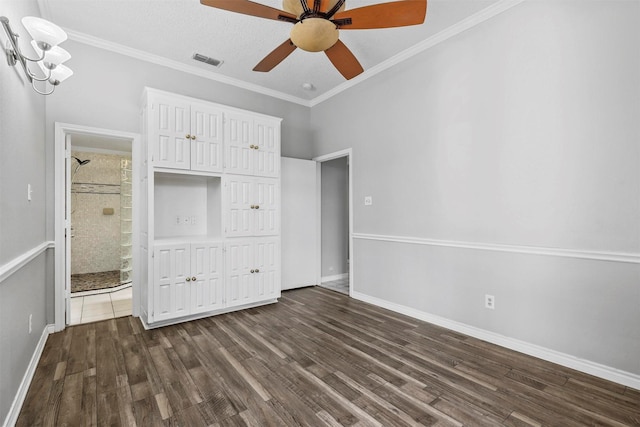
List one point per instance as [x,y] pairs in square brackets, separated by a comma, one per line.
[315,358]
[71,401]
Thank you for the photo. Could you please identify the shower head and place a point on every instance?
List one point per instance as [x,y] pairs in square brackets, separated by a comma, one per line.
[81,162]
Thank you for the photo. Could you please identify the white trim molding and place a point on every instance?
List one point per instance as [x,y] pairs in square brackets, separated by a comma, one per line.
[633,258]
[602,371]
[20,261]
[16,405]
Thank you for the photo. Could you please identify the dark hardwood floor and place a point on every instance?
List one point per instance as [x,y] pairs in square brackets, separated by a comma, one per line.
[315,358]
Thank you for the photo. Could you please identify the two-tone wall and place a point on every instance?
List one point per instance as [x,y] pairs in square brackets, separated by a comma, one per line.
[506,161]
[25,259]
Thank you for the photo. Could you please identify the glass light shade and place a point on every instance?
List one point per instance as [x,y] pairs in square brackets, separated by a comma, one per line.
[60,74]
[47,34]
[314,34]
[54,56]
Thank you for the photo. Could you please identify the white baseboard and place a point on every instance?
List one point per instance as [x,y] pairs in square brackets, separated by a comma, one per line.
[602,371]
[16,406]
[334,277]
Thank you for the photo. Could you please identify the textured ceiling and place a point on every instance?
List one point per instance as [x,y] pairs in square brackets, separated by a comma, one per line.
[176,29]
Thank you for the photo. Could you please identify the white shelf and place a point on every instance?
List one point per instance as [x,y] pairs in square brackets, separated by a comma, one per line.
[187,205]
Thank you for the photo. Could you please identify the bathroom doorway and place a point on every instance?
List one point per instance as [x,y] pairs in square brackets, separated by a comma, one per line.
[101,228]
[95,226]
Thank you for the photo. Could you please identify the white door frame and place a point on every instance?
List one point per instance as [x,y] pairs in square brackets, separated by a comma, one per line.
[348,153]
[62,130]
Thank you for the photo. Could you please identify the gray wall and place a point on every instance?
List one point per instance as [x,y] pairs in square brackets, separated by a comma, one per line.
[22,223]
[520,131]
[335,217]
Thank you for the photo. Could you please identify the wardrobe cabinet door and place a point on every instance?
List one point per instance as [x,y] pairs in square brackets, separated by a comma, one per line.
[238,144]
[206,138]
[266,137]
[239,274]
[267,269]
[266,213]
[206,277]
[170,286]
[169,133]
[239,205]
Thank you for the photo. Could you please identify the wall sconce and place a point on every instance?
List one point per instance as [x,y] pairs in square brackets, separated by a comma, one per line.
[46,38]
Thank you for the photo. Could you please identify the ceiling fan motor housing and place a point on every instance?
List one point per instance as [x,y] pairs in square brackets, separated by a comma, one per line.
[314,34]
[295,6]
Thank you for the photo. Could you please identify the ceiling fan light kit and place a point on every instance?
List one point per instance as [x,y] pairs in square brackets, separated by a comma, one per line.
[314,34]
[317,24]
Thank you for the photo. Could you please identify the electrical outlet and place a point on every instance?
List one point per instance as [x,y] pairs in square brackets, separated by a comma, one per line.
[178,220]
[368,200]
[490,302]
[30,323]
[186,220]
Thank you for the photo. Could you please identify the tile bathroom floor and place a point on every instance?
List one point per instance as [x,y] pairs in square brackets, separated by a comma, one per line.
[341,285]
[91,308]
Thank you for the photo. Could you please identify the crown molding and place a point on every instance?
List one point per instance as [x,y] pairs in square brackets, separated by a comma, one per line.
[418,48]
[179,66]
[470,22]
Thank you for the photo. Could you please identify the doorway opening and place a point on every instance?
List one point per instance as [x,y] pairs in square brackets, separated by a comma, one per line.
[335,263]
[101,228]
[95,234]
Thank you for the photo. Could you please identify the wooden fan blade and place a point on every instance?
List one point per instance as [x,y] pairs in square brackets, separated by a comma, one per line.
[384,15]
[277,56]
[344,60]
[248,8]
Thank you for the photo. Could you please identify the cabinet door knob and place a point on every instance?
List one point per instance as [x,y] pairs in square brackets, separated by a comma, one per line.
[257,271]
[188,136]
[193,137]
[257,206]
[252,146]
[193,279]
[188,279]
[255,147]
[253,271]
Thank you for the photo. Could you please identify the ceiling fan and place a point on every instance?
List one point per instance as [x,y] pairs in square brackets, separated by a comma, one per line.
[317,24]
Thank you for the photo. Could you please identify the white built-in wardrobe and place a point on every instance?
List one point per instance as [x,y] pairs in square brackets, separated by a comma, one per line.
[210,226]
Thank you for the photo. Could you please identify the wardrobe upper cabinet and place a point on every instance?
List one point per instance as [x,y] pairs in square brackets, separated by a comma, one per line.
[185,135]
[252,145]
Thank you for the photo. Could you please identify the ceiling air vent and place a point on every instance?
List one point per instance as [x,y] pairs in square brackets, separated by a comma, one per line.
[207,60]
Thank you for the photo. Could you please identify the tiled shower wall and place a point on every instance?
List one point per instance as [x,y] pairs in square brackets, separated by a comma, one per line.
[95,241]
